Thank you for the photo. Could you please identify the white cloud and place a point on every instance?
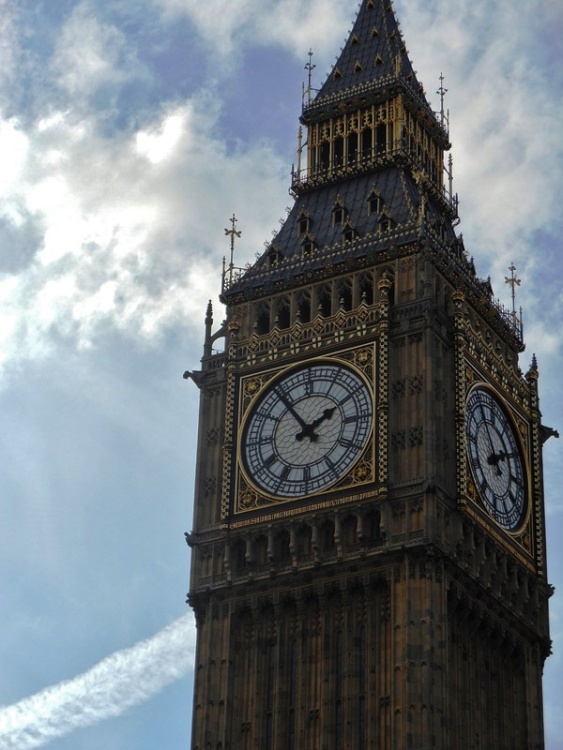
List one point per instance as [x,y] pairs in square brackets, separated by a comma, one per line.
[319,25]
[159,144]
[505,124]
[8,53]
[502,169]
[123,232]
[87,54]
[120,681]
[291,24]
[131,227]
[13,152]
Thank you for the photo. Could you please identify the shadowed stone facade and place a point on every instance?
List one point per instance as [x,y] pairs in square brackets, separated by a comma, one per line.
[368,549]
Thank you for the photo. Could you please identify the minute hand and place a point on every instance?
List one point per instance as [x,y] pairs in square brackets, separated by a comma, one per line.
[291,410]
[492,459]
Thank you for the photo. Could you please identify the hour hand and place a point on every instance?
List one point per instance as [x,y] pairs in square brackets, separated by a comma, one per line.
[327,414]
[309,430]
[494,460]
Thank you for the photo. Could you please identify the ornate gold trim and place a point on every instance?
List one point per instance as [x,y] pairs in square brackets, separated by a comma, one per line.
[522,534]
[246,496]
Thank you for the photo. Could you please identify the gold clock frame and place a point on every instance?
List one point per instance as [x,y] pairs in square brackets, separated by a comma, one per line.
[247,496]
[517,429]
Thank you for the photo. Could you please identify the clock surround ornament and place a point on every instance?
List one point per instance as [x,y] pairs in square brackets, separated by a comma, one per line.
[495,459]
[306,429]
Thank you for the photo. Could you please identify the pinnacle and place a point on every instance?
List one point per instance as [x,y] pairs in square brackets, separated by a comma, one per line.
[374,55]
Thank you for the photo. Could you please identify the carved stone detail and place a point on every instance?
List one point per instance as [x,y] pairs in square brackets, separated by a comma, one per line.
[212,437]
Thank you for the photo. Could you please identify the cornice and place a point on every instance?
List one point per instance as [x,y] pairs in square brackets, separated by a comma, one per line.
[341,257]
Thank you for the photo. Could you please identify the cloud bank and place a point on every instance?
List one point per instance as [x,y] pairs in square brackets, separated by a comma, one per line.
[119,234]
[107,229]
[117,683]
[112,215]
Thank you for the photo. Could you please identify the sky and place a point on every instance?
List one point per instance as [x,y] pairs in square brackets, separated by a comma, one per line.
[130,132]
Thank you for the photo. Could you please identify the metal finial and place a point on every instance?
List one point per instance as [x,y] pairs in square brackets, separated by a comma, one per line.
[232,233]
[513,281]
[309,68]
[442,91]
[450,173]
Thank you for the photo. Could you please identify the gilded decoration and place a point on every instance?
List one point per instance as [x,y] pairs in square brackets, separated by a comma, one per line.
[522,533]
[256,391]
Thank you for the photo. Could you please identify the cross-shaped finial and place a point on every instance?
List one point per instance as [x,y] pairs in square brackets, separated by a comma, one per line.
[442,91]
[513,281]
[232,233]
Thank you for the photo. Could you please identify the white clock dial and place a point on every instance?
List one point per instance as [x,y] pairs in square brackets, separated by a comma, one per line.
[307,429]
[495,459]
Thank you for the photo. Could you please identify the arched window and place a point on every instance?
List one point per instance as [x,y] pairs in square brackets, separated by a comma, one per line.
[381,139]
[304,542]
[386,223]
[238,556]
[344,292]
[324,301]
[371,527]
[352,148]
[349,531]
[327,543]
[375,203]
[282,319]
[348,232]
[274,257]
[367,143]
[366,288]
[304,307]
[308,246]
[339,213]
[261,550]
[338,151]
[262,318]
[281,547]
[324,155]
[303,224]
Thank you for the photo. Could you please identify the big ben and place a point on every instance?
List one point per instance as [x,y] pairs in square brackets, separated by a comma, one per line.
[368,548]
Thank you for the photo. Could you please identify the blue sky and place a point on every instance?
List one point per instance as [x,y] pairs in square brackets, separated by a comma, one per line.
[129,134]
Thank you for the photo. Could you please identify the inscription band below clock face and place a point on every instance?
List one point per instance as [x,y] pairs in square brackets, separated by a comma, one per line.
[495,459]
[307,429]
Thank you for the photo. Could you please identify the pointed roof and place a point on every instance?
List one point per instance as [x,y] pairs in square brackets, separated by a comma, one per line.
[373,58]
[373,68]
[399,202]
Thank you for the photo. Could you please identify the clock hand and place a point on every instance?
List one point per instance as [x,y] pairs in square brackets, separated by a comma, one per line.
[308,430]
[292,411]
[327,414]
[493,459]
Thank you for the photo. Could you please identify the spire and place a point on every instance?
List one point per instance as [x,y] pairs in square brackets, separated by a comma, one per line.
[228,273]
[374,57]
[370,166]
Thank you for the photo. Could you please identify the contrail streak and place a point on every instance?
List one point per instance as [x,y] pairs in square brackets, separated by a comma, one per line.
[122,680]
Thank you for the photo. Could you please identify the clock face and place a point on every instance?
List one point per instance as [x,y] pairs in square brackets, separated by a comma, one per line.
[307,429]
[495,459]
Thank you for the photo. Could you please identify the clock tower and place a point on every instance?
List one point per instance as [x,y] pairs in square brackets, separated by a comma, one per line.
[368,549]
